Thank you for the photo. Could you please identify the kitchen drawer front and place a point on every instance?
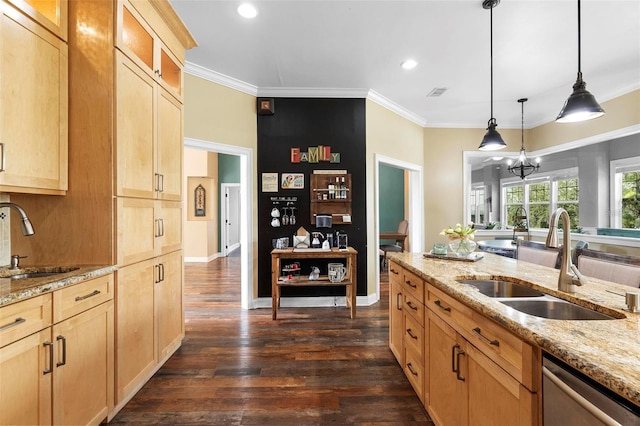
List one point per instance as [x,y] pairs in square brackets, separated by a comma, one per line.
[414,285]
[24,318]
[414,370]
[506,349]
[413,307]
[396,273]
[414,335]
[74,299]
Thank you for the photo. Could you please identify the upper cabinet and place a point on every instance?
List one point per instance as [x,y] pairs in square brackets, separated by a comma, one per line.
[33,97]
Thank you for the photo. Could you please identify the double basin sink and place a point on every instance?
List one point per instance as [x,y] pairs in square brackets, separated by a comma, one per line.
[533,302]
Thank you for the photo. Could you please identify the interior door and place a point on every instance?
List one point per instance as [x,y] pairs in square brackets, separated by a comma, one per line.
[230,221]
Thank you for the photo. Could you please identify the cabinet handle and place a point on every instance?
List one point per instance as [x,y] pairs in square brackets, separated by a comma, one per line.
[162,272]
[409,304]
[493,342]
[2,158]
[408,282]
[64,351]
[393,271]
[444,308]
[410,367]
[398,302]
[157,182]
[161,175]
[454,368]
[156,269]
[50,369]
[410,333]
[161,228]
[86,296]
[158,73]
[458,375]
[17,321]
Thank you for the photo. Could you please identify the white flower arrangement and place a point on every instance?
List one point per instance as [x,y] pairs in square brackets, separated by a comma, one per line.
[459,232]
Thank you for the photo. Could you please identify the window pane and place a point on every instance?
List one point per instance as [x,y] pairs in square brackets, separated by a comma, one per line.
[568,190]
[574,217]
[539,192]
[539,216]
[515,195]
[631,199]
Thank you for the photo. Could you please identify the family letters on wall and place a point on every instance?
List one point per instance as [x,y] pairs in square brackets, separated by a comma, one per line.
[315,154]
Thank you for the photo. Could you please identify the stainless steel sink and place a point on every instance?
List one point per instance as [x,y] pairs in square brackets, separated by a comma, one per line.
[44,272]
[553,308]
[501,288]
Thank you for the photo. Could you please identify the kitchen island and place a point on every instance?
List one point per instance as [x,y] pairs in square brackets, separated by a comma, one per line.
[608,351]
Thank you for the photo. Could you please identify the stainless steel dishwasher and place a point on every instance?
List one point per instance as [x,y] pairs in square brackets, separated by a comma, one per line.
[571,398]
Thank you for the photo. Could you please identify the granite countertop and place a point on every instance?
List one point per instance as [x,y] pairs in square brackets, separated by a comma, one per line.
[15,290]
[606,350]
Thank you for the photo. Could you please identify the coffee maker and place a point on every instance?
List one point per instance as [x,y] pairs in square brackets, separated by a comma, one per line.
[341,240]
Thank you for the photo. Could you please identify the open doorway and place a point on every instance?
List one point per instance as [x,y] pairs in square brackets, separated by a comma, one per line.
[413,208]
[229,217]
[245,208]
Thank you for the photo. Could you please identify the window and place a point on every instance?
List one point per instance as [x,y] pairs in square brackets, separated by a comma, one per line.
[540,197]
[626,190]
[477,204]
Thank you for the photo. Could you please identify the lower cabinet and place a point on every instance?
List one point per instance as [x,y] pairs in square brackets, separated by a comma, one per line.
[150,324]
[396,316]
[62,374]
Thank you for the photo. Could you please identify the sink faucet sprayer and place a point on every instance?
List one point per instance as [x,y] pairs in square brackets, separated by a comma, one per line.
[567,282]
[25,224]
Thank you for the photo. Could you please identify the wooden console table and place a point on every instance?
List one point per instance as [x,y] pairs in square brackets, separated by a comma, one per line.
[350,280]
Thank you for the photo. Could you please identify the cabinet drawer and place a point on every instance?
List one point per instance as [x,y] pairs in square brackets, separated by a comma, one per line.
[414,285]
[24,318]
[395,273]
[412,307]
[515,356]
[74,299]
[414,336]
[414,370]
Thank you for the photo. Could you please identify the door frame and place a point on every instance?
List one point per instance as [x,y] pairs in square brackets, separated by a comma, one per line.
[246,208]
[224,203]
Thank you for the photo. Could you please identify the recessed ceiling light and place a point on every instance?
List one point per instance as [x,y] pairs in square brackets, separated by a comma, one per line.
[409,64]
[247,10]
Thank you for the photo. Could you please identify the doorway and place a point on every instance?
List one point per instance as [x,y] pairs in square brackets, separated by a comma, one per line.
[245,213]
[229,215]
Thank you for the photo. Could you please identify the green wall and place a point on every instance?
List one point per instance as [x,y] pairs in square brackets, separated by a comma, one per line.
[391,197]
[228,172]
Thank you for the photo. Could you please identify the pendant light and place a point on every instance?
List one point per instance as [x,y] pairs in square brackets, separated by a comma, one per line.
[581,104]
[523,167]
[492,140]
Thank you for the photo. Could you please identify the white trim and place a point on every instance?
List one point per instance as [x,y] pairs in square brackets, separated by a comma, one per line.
[223,218]
[246,211]
[376,97]
[415,215]
[615,189]
[216,77]
[311,92]
[202,259]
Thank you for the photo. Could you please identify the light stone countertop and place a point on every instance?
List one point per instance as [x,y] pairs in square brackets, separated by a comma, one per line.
[606,350]
[15,290]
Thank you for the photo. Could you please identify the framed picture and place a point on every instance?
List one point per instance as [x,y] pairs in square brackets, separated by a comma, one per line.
[292,181]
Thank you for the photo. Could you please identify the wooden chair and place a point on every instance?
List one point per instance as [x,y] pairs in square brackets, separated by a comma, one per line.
[400,237]
[536,252]
[618,268]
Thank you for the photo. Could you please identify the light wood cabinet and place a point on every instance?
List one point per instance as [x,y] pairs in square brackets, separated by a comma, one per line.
[466,369]
[62,373]
[33,98]
[396,316]
[169,304]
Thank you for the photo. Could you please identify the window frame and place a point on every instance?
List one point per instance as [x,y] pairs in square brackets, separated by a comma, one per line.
[616,168]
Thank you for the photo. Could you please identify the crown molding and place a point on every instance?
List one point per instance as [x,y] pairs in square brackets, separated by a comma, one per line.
[222,79]
[392,106]
[311,92]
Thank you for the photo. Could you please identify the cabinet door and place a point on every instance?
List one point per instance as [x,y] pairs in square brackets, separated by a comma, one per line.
[51,14]
[138,230]
[396,327]
[447,392]
[33,106]
[169,148]
[136,355]
[169,304]
[83,376]
[135,136]
[25,369]
[169,222]
[496,398]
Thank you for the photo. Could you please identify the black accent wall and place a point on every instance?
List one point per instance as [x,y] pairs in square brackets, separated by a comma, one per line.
[303,123]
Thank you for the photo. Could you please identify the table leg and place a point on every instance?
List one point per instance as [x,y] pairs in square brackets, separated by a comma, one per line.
[354,285]
[275,293]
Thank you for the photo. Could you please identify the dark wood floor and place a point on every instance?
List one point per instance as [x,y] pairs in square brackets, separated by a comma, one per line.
[313,366]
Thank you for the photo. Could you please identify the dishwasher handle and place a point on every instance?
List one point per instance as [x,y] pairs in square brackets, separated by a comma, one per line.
[579,399]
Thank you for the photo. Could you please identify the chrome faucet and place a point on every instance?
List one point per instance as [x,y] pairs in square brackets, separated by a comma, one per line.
[567,282]
[25,224]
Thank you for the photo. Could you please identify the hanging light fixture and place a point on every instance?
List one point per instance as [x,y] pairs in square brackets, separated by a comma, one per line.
[523,167]
[492,140]
[581,104]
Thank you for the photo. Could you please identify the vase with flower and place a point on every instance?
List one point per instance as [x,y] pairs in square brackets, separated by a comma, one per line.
[461,239]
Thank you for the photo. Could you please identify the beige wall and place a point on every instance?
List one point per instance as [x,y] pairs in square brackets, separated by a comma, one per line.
[395,137]
[222,115]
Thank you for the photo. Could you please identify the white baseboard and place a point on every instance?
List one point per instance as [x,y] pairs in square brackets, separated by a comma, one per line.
[202,259]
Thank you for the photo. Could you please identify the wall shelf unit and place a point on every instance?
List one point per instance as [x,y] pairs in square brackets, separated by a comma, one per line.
[331,195]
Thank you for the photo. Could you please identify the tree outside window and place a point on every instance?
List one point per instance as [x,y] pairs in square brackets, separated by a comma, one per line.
[631,199]
[539,208]
[568,199]
[514,197]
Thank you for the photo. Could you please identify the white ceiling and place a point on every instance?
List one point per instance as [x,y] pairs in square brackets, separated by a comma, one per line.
[349,48]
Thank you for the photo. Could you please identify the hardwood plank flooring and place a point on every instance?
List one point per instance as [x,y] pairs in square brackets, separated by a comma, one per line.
[313,366]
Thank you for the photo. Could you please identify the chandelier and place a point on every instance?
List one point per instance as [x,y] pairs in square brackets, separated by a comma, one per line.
[523,166]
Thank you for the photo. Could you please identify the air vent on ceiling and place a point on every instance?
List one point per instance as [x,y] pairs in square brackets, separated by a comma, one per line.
[436,92]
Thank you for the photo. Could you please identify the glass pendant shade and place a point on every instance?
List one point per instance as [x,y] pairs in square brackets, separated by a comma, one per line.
[492,140]
[580,106]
